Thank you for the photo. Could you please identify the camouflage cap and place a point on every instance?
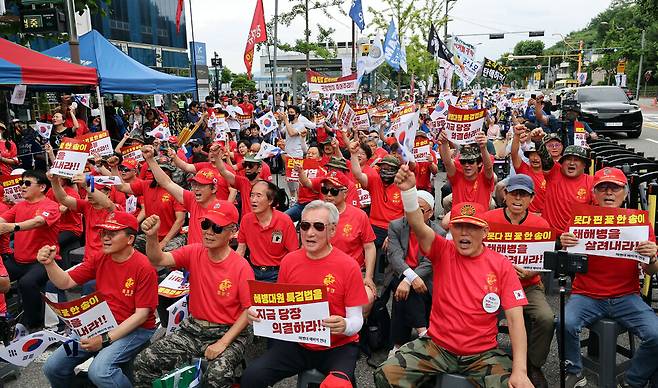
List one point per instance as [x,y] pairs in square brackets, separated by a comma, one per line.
[574,150]
[390,160]
[335,162]
[551,136]
[469,153]
[251,158]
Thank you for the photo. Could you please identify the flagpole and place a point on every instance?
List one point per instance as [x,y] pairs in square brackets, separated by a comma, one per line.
[196,81]
[276,40]
[353,46]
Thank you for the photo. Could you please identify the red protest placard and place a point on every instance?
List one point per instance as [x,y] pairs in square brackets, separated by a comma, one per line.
[311,168]
[463,124]
[12,189]
[523,246]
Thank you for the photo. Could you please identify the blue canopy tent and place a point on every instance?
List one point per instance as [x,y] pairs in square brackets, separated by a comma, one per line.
[119,73]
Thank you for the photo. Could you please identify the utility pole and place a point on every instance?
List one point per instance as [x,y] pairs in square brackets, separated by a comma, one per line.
[74,44]
[580,57]
[276,41]
[193,48]
[399,68]
[216,61]
[307,33]
[639,70]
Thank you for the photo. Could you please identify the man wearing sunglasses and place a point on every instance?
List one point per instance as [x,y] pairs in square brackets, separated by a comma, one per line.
[128,174]
[609,289]
[317,262]
[129,285]
[34,223]
[354,234]
[217,328]
[268,233]
[471,283]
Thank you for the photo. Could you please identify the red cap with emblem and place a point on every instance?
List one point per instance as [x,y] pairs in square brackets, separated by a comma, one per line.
[129,163]
[205,176]
[337,179]
[222,213]
[118,221]
[468,213]
[612,175]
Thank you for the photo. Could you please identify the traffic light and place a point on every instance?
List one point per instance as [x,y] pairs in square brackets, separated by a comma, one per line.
[496,36]
[533,34]
[43,20]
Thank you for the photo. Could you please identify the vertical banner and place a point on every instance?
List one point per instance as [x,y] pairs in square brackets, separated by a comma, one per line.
[465,67]
[345,115]
[523,246]
[291,312]
[71,158]
[464,124]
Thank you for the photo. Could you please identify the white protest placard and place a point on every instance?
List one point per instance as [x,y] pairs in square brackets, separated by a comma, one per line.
[364,196]
[318,82]
[132,152]
[422,148]
[177,313]
[466,67]
[344,115]
[464,124]
[579,134]
[18,95]
[71,158]
[101,143]
[523,246]
[291,312]
[12,188]
[361,121]
[158,99]
[131,204]
[88,316]
[174,285]
[26,349]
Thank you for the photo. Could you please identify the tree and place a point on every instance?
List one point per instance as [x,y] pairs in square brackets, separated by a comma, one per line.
[226,76]
[242,84]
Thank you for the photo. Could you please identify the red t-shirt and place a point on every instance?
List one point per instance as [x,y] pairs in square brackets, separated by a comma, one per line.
[145,173]
[306,195]
[158,201]
[341,276]
[379,153]
[539,179]
[222,185]
[562,193]
[70,220]
[423,173]
[386,201]
[268,245]
[83,129]
[352,232]
[4,239]
[413,251]
[609,278]
[92,218]
[247,108]
[478,190]
[194,233]
[243,185]
[497,216]
[264,174]
[30,241]
[6,169]
[218,291]
[125,286]
[459,322]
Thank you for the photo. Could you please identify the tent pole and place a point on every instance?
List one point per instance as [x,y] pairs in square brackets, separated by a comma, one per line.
[193,48]
[101,107]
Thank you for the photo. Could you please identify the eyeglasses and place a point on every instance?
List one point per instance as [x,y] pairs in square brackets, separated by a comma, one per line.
[334,191]
[305,226]
[207,224]
[603,187]
[25,183]
[553,145]
[425,211]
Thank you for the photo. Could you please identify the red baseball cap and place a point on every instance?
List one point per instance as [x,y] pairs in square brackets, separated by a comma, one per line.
[130,163]
[612,175]
[222,213]
[337,179]
[205,176]
[119,221]
[468,213]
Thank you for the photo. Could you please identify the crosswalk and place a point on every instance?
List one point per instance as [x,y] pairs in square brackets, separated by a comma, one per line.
[650,120]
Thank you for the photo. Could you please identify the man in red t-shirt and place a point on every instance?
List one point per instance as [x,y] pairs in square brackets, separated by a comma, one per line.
[243,184]
[425,169]
[128,170]
[519,195]
[34,222]
[610,290]
[319,263]
[471,284]
[129,285]
[224,191]
[219,297]
[268,233]
[533,168]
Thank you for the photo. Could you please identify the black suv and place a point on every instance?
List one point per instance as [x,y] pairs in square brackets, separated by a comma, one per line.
[608,109]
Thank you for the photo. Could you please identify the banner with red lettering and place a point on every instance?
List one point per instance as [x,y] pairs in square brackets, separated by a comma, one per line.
[609,232]
[524,246]
[12,190]
[463,124]
[101,143]
[318,82]
[579,134]
[422,148]
[361,121]
[71,158]
[291,312]
[132,152]
[174,285]
[344,115]
[311,168]
[88,316]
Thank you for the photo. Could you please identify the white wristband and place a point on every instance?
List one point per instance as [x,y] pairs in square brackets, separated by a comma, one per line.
[410,275]
[410,199]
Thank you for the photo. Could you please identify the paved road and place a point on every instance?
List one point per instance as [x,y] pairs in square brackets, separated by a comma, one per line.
[648,141]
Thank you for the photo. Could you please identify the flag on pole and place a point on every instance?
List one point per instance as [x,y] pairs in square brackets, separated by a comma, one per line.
[197,375]
[392,49]
[365,65]
[403,58]
[161,132]
[356,13]
[267,150]
[436,47]
[179,12]
[267,123]
[257,34]
[83,99]
[43,129]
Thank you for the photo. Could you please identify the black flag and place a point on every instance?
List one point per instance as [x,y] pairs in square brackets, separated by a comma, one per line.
[436,47]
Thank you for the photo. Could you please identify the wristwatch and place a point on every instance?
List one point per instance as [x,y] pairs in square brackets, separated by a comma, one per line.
[17,227]
[107,341]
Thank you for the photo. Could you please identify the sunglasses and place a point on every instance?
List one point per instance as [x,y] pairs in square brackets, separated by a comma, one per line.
[25,183]
[305,226]
[124,169]
[207,224]
[603,187]
[470,161]
[250,165]
[334,191]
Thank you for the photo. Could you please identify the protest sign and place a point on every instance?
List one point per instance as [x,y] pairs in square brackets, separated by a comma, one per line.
[291,312]
[364,195]
[323,84]
[177,313]
[107,180]
[463,124]
[466,67]
[361,121]
[12,188]
[174,285]
[523,246]
[101,143]
[132,152]
[311,168]
[18,95]
[344,115]
[609,232]
[579,134]
[71,158]
[244,120]
[26,349]
[88,316]
[422,147]
[494,70]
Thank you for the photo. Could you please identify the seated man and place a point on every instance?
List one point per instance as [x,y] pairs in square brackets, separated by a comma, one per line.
[471,284]
[610,289]
[218,299]
[317,262]
[129,285]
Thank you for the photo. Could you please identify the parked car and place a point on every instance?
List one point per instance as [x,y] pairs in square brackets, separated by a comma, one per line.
[608,109]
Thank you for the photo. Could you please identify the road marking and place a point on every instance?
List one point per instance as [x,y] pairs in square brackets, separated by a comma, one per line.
[651,125]
[653,141]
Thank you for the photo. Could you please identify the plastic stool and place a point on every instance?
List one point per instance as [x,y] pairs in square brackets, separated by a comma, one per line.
[601,357]
[307,377]
[449,380]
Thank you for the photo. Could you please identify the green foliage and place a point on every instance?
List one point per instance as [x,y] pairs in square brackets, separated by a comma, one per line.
[241,83]
[226,76]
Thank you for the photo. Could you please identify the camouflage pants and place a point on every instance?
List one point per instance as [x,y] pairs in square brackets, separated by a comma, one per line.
[418,363]
[175,243]
[190,341]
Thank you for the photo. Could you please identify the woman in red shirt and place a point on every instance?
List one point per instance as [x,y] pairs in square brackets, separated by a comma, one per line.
[8,151]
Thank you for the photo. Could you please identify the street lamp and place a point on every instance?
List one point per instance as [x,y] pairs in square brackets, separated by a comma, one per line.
[216,61]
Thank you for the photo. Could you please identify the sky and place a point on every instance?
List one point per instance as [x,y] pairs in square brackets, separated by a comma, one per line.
[223,24]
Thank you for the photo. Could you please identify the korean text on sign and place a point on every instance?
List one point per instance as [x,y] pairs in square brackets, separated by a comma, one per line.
[87,317]
[71,158]
[523,246]
[101,143]
[463,124]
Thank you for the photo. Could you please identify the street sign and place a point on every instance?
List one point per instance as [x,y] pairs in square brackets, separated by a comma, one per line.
[621,66]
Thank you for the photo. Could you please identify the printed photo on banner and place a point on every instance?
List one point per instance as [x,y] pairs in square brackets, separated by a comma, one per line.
[174,285]
[71,158]
[465,67]
[12,188]
[463,124]
[523,246]
[310,166]
[132,152]
[610,232]
[291,312]
[87,317]
[101,143]
[324,84]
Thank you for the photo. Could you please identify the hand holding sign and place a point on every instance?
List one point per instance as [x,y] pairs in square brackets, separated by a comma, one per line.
[336,324]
